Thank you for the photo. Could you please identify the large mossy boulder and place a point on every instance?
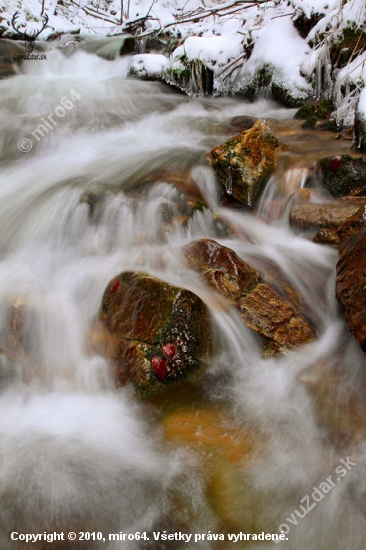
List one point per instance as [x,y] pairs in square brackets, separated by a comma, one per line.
[262,308]
[344,175]
[351,270]
[155,333]
[245,162]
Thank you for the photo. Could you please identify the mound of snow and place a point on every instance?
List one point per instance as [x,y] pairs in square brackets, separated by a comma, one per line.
[148,66]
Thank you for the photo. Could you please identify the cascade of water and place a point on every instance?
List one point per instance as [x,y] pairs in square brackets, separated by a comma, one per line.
[75,211]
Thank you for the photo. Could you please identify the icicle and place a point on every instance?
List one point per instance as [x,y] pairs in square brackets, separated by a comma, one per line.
[229,182]
[141,45]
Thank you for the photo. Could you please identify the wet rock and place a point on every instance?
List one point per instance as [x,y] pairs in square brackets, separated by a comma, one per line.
[240,123]
[321,215]
[226,454]
[350,282]
[344,175]
[315,112]
[221,268]
[15,334]
[264,311]
[154,332]
[6,70]
[269,81]
[9,49]
[246,161]
[340,405]
[223,228]
[189,199]
[326,236]
[262,308]
[136,45]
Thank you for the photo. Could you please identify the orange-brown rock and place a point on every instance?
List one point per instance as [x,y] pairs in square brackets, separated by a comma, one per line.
[262,308]
[222,268]
[154,332]
[266,312]
[226,453]
[326,235]
[247,160]
[321,215]
[191,196]
[351,270]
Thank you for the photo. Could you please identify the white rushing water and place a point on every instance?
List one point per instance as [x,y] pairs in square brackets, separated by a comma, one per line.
[75,452]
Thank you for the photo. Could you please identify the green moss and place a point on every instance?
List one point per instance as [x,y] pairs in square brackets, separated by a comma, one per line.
[349,179]
[343,48]
[319,109]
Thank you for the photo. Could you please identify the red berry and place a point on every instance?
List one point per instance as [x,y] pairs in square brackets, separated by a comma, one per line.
[116,286]
[336,163]
[160,366]
[169,350]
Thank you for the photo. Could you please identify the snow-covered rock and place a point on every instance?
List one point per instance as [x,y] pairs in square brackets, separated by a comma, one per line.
[148,66]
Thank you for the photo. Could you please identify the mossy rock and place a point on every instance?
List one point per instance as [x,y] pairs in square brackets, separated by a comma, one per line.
[158,333]
[248,159]
[343,47]
[314,112]
[191,76]
[268,81]
[344,175]
[286,94]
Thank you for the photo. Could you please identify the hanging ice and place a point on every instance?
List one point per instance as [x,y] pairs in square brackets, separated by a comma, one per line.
[229,183]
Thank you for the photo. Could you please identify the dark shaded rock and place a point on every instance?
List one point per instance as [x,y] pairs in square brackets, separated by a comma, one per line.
[191,199]
[262,308]
[313,113]
[346,43]
[240,123]
[145,320]
[223,228]
[321,215]
[246,161]
[9,49]
[304,24]
[6,70]
[360,131]
[268,81]
[134,44]
[351,272]
[344,175]
[326,236]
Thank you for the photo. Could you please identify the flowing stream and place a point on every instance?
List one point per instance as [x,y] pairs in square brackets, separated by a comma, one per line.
[236,451]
